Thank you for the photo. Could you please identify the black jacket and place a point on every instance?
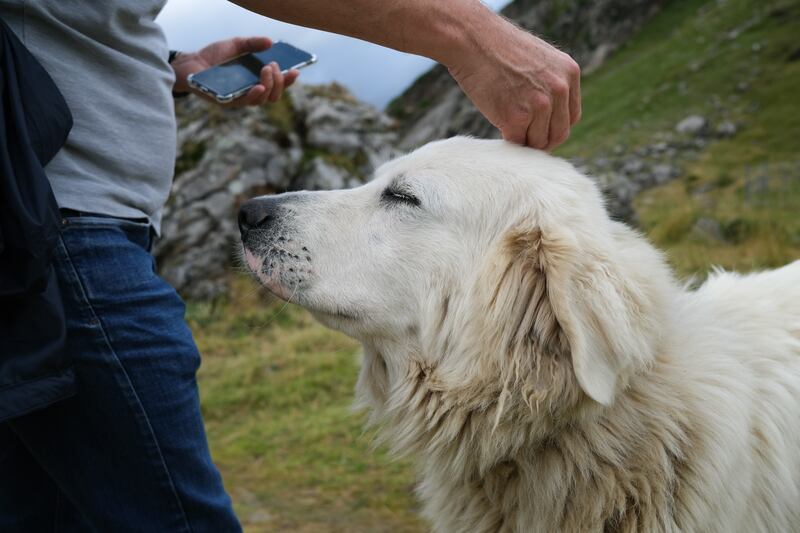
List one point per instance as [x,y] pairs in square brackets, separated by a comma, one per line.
[34,123]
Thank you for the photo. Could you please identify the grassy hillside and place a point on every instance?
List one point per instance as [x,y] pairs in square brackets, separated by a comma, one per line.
[734,60]
[277,387]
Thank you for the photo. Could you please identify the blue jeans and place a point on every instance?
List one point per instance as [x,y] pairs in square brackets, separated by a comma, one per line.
[129,451]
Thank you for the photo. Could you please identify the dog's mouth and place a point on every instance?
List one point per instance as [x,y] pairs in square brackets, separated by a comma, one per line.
[287,281]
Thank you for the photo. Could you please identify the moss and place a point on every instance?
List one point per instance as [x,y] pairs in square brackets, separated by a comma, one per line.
[675,226]
[351,164]
[281,113]
[190,155]
[723,180]
[738,230]
[333,91]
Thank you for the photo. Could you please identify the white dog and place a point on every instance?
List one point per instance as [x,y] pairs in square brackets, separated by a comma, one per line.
[538,359]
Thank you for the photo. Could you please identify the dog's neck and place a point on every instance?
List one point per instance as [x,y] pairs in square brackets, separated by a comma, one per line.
[487,441]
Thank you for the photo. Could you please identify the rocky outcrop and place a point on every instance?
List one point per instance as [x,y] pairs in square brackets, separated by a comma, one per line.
[623,172]
[434,107]
[317,137]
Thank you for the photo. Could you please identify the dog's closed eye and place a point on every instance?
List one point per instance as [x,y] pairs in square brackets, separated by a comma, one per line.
[394,194]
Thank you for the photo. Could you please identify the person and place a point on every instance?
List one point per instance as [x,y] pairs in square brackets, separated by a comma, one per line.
[128,452]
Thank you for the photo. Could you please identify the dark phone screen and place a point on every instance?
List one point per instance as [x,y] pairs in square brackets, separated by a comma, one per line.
[244,71]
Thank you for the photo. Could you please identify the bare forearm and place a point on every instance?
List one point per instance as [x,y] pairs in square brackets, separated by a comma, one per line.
[525,87]
[442,30]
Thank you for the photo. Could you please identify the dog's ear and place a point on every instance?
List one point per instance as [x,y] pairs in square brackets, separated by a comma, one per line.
[577,299]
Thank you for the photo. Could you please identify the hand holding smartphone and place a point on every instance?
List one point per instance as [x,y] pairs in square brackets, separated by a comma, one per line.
[227,81]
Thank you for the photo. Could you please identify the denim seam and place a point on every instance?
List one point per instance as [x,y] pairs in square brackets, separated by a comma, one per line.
[84,296]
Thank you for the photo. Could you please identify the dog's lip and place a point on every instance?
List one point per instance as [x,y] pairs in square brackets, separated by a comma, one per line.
[253,262]
[256,265]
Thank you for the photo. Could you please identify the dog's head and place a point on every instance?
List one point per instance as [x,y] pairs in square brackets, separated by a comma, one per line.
[476,260]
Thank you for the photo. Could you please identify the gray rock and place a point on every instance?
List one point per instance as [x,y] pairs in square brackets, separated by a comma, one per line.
[692,125]
[663,173]
[322,175]
[337,142]
[632,166]
[726,128]
[259,517]
[619,193]
[602,162]
[707,229]
[660,147]
[598,57]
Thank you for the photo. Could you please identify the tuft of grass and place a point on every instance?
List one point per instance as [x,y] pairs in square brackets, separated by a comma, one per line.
[189,156]
[282,113]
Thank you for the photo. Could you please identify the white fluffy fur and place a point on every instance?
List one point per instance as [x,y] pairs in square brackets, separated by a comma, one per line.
[539,360]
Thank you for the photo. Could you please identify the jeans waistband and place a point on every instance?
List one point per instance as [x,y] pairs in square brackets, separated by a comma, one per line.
[65,212]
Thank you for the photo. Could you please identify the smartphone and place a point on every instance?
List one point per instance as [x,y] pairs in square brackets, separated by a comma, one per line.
[227,81]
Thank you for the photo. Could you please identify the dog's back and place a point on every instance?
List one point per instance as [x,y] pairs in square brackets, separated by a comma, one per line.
[739,336]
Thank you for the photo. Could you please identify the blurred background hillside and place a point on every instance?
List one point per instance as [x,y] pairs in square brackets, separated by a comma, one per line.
[691,126]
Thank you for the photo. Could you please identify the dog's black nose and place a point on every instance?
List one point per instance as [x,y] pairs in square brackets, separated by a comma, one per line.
[256,213]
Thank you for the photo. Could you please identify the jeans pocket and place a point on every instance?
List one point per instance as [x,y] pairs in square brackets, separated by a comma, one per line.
[110,255]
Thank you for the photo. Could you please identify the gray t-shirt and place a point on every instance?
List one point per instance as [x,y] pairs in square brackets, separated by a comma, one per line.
[109,58]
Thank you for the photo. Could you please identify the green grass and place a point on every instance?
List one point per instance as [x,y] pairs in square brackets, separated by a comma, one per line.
[276,387]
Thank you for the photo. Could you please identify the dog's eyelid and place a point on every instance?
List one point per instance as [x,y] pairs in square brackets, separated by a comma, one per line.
[399,185]
[400,191]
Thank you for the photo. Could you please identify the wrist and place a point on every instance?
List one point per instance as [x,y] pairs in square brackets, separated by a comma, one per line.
[181,87]
[460,34]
